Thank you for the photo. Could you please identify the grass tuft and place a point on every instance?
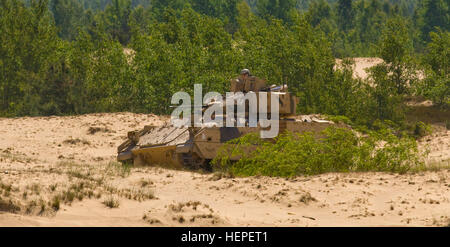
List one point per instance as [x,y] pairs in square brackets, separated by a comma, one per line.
[111,202]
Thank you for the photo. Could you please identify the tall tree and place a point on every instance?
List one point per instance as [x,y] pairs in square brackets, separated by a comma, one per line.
[29,48]
[68,15]
[116,17]
[346,14]
[435,15]
[436,85]
[394,76]
[279,9]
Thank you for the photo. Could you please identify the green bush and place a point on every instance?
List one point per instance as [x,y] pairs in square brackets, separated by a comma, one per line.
[339,119]
[338,150]
[421,129]
[436,84]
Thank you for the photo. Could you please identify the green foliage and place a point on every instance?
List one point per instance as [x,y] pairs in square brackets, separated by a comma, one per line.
[436,61]
[346,96]
[28,52]
[337,150]
[435,14]
[298,56]
[116,18]
[178,53]
[340,119]
[421,129]
[438,52]
[68,15]
[353,26]
[393,78]
[78,56]
[395,50]
[346,14]
[279,9]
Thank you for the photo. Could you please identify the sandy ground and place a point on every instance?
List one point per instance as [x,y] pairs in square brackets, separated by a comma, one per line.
[72,158]
[361,64]
[61,171]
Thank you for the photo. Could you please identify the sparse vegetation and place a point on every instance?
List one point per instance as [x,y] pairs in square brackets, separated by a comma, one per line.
[421,129]
[145,182]
[68,196]
[76,141]
[84,184]
[179,218]
[111,202]
[434,166]
[138,195]
[9,206]
[35,188]
[93,130]
[30,206]
[146,217]
[53,187]
[118,169]
[15,157]
[55,203]
[307,198]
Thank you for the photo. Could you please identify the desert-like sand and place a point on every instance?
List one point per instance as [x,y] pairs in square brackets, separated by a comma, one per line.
[73,158]
[361,64]
[43,157]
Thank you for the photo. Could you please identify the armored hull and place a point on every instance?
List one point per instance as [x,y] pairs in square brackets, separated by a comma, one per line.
[194,147]
[190,147]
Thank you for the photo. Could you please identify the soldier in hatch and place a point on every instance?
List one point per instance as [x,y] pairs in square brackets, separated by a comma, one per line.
[247,83]
[238,84]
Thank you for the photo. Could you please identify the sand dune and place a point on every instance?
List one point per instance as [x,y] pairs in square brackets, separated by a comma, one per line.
[43,158]
[361,64]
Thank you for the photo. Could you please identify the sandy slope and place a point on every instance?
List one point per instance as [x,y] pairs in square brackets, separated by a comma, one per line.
[46,156]
[361,64]
[72,158]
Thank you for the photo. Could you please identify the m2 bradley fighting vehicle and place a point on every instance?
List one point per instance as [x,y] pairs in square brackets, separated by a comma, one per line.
[194,146]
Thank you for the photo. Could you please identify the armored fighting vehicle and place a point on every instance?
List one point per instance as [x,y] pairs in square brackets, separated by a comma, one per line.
[195,147]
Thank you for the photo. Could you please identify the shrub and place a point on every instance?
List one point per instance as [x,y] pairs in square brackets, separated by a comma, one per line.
[55,203]
[111,202]
[9,206]
[421,129]
[338,150]
[339,119]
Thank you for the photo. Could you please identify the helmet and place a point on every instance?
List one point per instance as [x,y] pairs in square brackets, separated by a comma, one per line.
[245,71]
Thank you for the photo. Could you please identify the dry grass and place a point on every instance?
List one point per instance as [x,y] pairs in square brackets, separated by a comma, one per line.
[433,166]
[307,198]
[7,155]
[94,129]
[111,202]
[7,205]
[82,181]
[76,141]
